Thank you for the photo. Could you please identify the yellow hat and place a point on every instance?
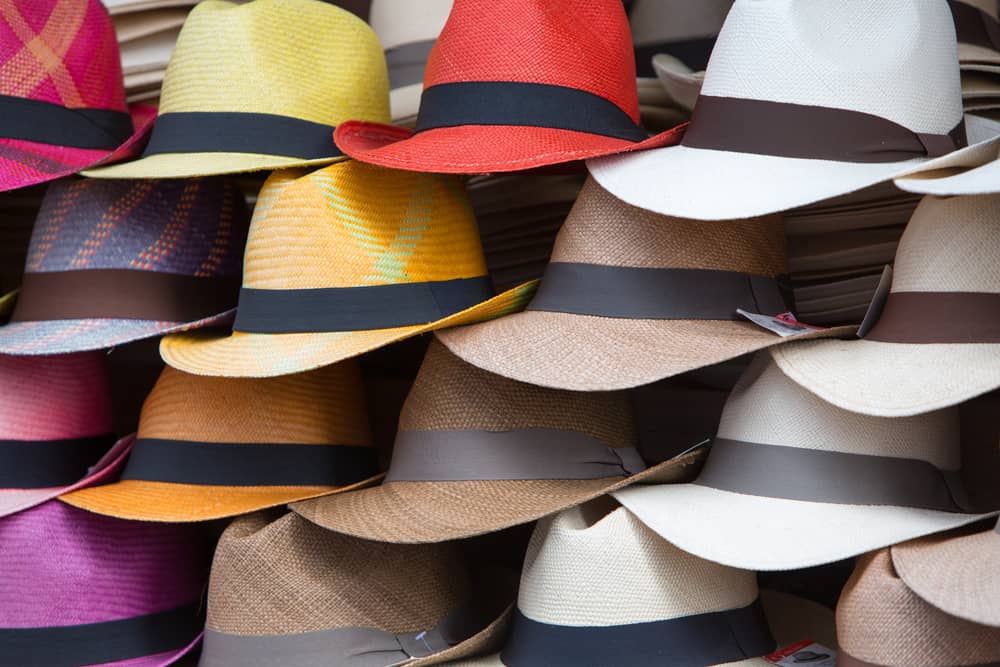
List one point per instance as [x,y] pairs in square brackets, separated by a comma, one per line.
[261,86]
[344,260]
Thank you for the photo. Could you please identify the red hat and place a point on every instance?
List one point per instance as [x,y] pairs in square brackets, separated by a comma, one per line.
[518,84]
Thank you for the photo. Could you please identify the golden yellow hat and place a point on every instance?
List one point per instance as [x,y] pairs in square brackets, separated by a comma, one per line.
[344,260]
[261,85]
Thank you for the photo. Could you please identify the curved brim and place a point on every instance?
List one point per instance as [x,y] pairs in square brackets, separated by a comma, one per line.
[588,353]
[489,639]
[187,165]
[681,84]
[971,171]
[958,575]
[268,355]
[159,660]
[970,53]
[421,512]
[891,379]
[757,533]
[479,149]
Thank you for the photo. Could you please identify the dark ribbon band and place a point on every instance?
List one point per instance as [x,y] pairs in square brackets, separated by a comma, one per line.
[788,130]
[407,62]
[692,52]
[49,464]
[236,132]
[357,308]
[938,317]
[47,123]
[243,464]
[810,475]
[100,643]
[974,26]
[524,105]
[656,294]
[845,660]
[691,641]
[123,294]
[520,454]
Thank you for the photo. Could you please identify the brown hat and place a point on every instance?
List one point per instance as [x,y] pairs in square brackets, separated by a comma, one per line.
[476,453]
[882,623]
[286,592]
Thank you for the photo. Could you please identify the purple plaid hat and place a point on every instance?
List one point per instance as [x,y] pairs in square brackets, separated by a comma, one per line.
[112,262]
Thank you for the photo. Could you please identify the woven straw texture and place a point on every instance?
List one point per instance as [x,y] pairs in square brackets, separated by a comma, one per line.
[348,225]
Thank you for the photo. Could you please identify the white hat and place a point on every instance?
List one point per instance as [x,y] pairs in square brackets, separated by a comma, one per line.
[792,481]
[805,100]
[974,171]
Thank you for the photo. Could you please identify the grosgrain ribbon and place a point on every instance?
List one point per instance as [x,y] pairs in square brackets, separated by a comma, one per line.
[47,123]
[47,464]
[974,26]
[938,318]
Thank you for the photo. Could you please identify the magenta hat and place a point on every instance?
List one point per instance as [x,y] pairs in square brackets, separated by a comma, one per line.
[80,590]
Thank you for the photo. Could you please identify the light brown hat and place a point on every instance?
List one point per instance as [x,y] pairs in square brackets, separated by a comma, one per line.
[285,592]
[631,297]
[476,453]
[882,623]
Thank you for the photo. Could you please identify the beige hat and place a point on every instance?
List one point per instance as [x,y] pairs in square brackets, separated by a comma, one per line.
[882,623]
[285,592]
[681,84]
[937,341]
[977,30]
[681,28]
[792,481]
[476,453]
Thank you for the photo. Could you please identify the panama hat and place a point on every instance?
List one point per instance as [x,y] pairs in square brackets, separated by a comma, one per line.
[934,344]
[112,262]
[882,623]
[884,88]
[684,30]
[80,589]
[665,290]
[261,86]
[476,453]
[344,260]
[975,171]
[64,110]
[482,111]
[599,588]
[286,593]
[681,83]
[792,481]
[978,30]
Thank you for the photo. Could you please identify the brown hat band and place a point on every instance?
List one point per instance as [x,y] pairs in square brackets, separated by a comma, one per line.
[125,294]
[974,26]
[520,454]
[845,660]
[939,318]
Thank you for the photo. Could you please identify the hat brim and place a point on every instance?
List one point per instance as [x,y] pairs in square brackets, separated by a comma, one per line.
[972,171]
[584,352]
[480,149]
[486,640]
[159,660]
[269,355]
[970,53]
[189,165]
[758,533]
[422,512]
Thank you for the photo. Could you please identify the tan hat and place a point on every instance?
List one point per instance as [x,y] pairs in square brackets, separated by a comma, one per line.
[476,453]
[978,31]
[631,297]
[882,623]
[684,29]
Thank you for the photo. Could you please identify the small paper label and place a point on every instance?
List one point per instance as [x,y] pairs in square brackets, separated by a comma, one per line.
[877,303]
[806,652]
[784,325]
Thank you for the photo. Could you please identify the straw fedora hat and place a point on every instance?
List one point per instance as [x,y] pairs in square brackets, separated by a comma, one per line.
[665,290]
[261,86]
[111,262]
[934,344]
[882,623]
[209,448]
[476,453]
[81,589]
[978,30]
[975,171]
[63,101]
[792,481]
[685,30]
[885,88]
[483,111]
[284,592]
[682,84]
[344,260]
[599,588]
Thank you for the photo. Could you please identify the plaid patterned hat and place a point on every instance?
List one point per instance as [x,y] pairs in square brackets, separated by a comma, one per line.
[112,262]
[62,100]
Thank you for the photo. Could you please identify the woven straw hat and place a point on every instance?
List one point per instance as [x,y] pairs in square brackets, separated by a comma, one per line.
[517,84]
[937,341]
[476,453]
[792,481]
[111,262]
[882,623]
[978,31]
[884,85]
[286,592]
[344,260]
[215,447]
[685,30]
[600,585]
[261,86]
[975,171]
[631,297]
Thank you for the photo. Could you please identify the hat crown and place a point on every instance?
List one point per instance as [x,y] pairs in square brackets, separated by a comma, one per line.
[676,20]
[398,22]
[300,58]
[896,59]
[353,225]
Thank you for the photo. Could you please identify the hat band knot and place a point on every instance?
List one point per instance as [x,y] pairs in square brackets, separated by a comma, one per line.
[406,62]
[974,26]
[56,125]
[47,464]
[938,318]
